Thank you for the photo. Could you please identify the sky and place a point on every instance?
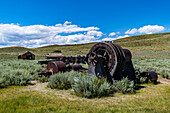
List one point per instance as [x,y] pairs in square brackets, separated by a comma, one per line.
[37,23]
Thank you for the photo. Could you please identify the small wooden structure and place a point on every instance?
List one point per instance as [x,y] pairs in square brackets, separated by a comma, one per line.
[54,56]
[27,55]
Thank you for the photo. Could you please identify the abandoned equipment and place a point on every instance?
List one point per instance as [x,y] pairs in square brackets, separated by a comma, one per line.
[105,59]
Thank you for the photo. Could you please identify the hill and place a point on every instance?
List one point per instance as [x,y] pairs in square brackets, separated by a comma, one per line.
[15,50]
[149,45]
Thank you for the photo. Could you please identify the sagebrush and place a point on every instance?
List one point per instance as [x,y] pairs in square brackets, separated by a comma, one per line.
[90,87]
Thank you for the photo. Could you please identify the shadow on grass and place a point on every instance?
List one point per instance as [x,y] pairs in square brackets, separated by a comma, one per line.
[143,85]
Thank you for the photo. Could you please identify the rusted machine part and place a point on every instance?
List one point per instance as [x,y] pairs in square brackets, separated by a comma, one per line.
[128,55]
[80,59]
[67,60]
[151,75]
[47,74]
[76,68]
[106,51]
[44,62]
[56,66]
[110,60]
[70,60]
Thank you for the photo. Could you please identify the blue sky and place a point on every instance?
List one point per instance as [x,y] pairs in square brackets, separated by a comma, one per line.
[32,23]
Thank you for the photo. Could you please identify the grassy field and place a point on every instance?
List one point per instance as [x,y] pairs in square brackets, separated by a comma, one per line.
[161,66]
[150,52]
[38,98]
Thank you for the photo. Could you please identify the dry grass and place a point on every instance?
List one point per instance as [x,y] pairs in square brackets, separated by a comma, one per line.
[38,98]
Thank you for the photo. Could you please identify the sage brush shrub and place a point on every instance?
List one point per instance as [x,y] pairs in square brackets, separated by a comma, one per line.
[4,81]
[62,80]
[143,80]
[18,72]
[41,79]
[90,87]
[125,86]
[16,77]
[20,77]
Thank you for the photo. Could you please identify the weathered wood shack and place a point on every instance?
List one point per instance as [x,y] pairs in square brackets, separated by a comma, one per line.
[27,55]
[54,56]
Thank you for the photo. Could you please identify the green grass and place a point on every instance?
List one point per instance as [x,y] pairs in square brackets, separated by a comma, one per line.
[161,66]
[18,72]
[153,98]
[39,98]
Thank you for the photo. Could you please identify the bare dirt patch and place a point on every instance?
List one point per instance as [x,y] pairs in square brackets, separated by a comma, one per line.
[165,81]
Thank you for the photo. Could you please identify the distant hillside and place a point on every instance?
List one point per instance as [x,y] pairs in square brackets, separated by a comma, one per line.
[149,45]
[15,50]
[158,42]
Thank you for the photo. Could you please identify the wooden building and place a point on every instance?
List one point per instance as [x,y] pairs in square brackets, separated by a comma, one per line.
[27,55]
[54,56]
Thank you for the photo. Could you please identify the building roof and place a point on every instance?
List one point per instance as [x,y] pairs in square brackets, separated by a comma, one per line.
[25,53]
[55,55]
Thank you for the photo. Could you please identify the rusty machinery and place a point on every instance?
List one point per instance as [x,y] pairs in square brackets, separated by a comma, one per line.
[150,75]
[108,59]
[105,59]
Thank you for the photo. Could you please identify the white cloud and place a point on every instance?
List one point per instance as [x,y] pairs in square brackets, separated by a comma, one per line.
[122,36]
[40,35]
[112,34]
[110,39]
[94,33]
[66,22]
[117,32]
[149,29]
[133,31]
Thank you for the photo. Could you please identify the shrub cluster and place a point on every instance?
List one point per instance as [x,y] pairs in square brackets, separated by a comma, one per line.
[18,72]
[125,86]
[161,66]
[16,77]
[62,80]
[90,87]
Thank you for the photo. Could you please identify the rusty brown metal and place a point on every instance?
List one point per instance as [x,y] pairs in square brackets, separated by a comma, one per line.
[110,60]
[67,60]
[105,59]
[128,55]
[151,75]
[56,66]
[76,68]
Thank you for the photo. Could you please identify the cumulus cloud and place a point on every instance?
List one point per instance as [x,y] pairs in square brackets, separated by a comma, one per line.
[149,29]
[40,35]
[113,33]
[110,39]
[132,31]
[94,33]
